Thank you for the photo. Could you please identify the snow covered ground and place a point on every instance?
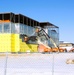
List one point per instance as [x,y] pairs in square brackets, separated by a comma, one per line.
[37,64]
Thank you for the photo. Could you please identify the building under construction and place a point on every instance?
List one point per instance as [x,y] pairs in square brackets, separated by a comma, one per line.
[15,27]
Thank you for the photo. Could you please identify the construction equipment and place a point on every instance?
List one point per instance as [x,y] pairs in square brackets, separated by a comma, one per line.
[48,48]
[41,38]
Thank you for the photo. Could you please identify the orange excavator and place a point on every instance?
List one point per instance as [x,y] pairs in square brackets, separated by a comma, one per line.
[43,37]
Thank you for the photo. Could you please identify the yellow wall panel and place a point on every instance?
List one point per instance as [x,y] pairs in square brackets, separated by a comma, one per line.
[5,42]
[13,43]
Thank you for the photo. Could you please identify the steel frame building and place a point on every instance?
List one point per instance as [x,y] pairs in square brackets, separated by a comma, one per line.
[13,27]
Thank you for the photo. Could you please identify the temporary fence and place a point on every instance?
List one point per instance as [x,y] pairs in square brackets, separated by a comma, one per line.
[37,64]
